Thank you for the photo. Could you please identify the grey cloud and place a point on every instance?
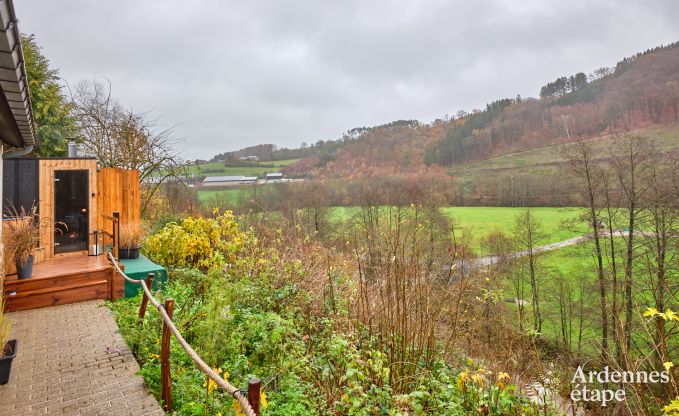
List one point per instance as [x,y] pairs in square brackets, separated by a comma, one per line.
[236,73]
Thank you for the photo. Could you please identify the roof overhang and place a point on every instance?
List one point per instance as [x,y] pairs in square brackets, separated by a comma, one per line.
[16,117]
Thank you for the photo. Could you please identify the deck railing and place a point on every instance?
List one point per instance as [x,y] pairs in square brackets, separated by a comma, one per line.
[114,235]
[249,405]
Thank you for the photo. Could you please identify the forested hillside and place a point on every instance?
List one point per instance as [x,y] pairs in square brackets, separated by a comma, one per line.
[638,92]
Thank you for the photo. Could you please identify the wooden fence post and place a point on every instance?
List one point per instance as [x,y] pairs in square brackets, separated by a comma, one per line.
[254,391]
[116,235]
[142,308]
[145,299]
[166,381]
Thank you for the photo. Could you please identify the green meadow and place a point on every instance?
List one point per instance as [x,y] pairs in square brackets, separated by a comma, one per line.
[481,221]
[257,169]
[227,195]
[558,223]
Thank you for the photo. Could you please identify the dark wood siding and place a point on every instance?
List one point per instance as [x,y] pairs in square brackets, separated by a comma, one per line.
[19,185]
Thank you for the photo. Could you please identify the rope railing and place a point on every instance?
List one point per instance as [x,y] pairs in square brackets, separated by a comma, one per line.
[236,393]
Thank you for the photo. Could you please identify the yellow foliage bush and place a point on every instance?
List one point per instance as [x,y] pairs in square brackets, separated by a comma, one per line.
[202,243]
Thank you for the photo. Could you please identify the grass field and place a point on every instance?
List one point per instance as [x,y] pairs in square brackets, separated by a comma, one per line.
[230,195]
[218,168]
[481,221]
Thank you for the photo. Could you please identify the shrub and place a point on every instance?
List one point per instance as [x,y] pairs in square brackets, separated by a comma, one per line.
[202,243]
[4,322]
[131,235]
[23,237]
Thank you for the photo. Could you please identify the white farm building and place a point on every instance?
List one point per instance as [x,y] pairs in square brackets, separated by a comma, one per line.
[229,180]
[274,177]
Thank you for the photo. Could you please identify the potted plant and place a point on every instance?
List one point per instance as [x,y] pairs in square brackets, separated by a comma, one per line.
[9,350]
[130,240]
[22,237]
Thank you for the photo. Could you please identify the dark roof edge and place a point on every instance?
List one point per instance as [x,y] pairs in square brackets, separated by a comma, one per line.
[27,136]
[54,158]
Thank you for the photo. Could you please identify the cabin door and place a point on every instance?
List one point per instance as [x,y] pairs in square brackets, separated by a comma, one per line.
[71,210]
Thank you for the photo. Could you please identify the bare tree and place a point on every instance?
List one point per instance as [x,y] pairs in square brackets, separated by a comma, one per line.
[631,157]
[400,296]
[611,211]
[584,166]
[316,207]
[121,138]
[529,235]
[518,278]
[499,246]
[658,254]
[566,301]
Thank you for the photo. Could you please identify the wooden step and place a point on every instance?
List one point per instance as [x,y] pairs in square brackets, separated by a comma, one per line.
[30,284]
[61,280]
[57,295]
[43,291]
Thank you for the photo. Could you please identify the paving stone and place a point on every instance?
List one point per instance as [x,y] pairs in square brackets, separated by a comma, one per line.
[66,364]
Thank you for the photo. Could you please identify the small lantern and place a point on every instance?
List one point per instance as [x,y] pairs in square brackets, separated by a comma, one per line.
[95,246]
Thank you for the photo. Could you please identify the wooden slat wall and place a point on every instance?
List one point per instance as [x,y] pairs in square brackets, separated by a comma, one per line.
[46,193]
[119,191]
[110,190]
[46,168]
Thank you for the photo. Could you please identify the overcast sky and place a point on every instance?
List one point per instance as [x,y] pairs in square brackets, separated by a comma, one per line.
[231,74]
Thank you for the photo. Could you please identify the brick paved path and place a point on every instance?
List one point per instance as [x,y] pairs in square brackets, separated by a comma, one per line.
[72,361]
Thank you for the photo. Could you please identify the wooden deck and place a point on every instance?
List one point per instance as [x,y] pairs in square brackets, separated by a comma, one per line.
[65,278]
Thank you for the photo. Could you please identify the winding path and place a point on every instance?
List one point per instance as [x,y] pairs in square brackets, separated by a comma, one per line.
[487,261]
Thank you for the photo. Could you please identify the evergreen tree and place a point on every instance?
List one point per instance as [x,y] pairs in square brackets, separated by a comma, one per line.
[51,110]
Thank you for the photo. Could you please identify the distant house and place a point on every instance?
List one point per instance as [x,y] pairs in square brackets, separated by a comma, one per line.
[274,176]
[250,158]
[228,180]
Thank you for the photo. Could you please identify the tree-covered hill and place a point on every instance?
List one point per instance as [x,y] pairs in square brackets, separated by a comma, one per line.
[639,92]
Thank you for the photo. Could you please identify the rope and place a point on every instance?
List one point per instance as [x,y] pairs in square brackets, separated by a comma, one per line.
[236,393]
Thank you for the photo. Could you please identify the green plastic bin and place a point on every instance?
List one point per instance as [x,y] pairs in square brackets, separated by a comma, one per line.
[139,269]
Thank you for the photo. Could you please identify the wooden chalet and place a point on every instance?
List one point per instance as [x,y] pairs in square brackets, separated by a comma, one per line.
[75,199]
[79,205]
